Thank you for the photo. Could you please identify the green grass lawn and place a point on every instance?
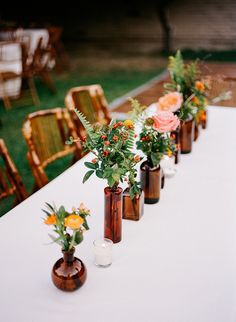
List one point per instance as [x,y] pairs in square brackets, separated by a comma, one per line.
[114,82]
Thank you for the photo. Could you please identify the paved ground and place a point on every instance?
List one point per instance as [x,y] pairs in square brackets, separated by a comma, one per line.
[151,91]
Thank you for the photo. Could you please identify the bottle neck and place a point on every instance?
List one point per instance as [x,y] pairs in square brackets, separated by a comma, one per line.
[68,255]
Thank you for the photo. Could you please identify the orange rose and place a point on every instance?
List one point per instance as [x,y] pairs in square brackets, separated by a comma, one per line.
[170,102]
[51,220]
[199,86]
[73,222]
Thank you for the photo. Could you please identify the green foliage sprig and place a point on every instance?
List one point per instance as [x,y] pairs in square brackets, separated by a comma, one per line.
[69,226]
[112,146]
[185,79]
[154,144]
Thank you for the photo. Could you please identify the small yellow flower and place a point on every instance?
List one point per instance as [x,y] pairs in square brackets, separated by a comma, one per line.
[51,220]
[169,153]
[128,124]
[73,222]
[199,86]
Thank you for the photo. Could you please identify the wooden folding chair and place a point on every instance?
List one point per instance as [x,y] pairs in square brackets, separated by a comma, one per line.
[218,86]
[90,100]
[28,92]
[45,133]
[10,180]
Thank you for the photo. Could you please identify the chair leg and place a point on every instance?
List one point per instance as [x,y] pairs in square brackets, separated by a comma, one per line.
[33,91]
[48,81]
[7,102]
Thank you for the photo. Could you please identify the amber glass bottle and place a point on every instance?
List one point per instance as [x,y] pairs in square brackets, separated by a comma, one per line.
[150,182]
[113,213]
[132,208]
[203,119]
[69,273]
[196,130]
[175,135]
[186,135]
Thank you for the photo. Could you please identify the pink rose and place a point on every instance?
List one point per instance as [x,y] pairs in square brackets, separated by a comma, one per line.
[170,102]
[165,121]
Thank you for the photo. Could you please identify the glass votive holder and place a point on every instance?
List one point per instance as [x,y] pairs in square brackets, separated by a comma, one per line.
[168,166]
[103,252]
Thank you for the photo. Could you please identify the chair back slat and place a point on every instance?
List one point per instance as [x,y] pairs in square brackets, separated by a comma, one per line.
[90,100]
[10,180]
[45,133]
[46,136]
[83,102]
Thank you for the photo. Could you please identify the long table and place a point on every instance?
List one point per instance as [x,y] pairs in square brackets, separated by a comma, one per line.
[177,264]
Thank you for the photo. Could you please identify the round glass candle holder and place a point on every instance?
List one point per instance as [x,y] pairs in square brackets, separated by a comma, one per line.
[168,166]
[103,252]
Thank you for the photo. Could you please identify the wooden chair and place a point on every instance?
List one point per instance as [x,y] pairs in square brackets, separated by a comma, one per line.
[45,133]
[10,180]
[220,84]
[57,49]
[28,92]
[90,100]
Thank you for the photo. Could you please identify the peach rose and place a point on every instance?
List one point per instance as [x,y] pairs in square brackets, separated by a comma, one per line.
[170,102]
[165,121]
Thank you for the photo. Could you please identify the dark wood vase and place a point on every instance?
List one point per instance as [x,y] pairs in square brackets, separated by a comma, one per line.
[151,179]
[113,213]
[186,135]
[175,135]
[132,208]
[69,273]
[196,130]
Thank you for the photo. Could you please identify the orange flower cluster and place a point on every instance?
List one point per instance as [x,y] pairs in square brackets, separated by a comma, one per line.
[199,86]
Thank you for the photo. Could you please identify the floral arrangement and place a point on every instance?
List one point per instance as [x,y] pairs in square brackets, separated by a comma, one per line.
[154,138]
[112,146]
[185,79]
[69,226]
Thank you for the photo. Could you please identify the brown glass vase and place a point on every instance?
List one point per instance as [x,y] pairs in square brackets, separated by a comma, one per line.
[113,213]
[132,208]
[203,119]
[69,273]
[151,182]
[196,130]
[186,135]
[175,135]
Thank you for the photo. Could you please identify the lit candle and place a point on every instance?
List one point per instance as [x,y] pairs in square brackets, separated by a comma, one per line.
[103,252]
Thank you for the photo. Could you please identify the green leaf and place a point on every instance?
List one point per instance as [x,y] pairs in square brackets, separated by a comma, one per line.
[46,212]
[56,240]
[116,176]
[155,159]
[87,175]
[50,206]
[90,165]
[111,181]
[78,237]
[99,174]
[85,224]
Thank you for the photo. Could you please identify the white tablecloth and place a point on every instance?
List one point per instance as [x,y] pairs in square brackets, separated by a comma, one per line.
[11,61]
[177,264]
